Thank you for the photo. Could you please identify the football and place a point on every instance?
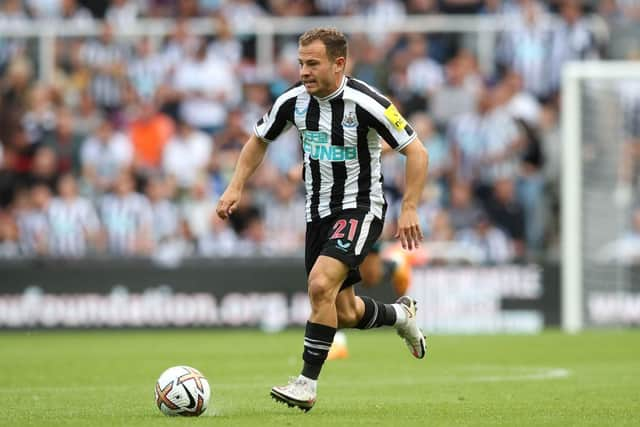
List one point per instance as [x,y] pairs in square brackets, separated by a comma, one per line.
[182,390]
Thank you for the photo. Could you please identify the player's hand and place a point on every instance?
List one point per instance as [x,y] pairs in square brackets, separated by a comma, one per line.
[228,202]
[409,231]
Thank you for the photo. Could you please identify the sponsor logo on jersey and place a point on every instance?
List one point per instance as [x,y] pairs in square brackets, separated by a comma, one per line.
[316,144]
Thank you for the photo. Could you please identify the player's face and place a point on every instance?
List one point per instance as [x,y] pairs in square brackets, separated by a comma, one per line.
[320,75]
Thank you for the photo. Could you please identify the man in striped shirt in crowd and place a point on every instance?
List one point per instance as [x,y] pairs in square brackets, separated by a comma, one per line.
[340,121]
[73,221]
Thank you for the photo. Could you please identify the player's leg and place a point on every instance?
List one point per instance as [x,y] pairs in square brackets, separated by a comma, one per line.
[325,277]
[372,270]
[362,312]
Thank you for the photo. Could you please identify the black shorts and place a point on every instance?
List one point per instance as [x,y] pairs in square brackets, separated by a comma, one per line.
[347,236]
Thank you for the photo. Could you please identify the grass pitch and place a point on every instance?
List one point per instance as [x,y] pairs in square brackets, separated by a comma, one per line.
[106,379]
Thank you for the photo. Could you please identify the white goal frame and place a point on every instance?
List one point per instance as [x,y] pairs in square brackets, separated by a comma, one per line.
[573,74]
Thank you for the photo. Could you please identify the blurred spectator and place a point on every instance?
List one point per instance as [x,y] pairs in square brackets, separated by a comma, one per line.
[12,15]
[506,212]
[122,13]
[104,156]
[441,228]
[284,222]
[337,7]
[150,132]
[40,119]
[9,179]
[73,221]
[127,219]
[527,49]
[283,154]
[148,71]
[198,209]
[14,90]
[31,216]
[74,14]
[421,7]
[87,117]
[467,7]
[188,8]
[219,240]
[367,61]
[44,9]
[180,44]
[206,87]
[253,237]
[380,13]
[66,143]
[291,7]
[225,46]
[486,143]
[9,237]
[186,155]
[44,169]
[242,14]
[234,134]
[257,101]
[23,153]
[105,61]
[424,75]
[165,226]
[440,161]
[486,243]
[463,209]
[572,40]
[460,91]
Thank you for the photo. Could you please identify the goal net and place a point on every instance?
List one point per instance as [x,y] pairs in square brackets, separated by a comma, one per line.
[601,195]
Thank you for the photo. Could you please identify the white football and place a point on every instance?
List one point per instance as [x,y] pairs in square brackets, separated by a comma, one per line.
[182,390]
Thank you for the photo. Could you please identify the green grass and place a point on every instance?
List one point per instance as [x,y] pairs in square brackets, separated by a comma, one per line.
[107,378]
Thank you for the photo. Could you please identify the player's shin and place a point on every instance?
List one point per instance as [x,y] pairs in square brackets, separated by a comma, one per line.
[317,342]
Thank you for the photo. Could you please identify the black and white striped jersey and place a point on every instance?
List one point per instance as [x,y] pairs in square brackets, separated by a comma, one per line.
[124,219]
[70,223]
[340,139]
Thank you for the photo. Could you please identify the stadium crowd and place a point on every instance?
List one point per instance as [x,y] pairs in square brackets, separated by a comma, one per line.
[126,151]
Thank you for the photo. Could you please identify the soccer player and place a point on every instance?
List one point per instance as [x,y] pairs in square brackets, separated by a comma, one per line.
[340,121]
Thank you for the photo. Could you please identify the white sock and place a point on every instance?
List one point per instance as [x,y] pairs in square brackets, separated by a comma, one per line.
[401,314]
[312,383]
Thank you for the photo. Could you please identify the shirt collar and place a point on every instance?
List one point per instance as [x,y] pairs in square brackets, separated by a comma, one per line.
[337,91]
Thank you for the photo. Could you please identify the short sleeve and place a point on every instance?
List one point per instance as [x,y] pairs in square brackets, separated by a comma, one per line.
[278,119]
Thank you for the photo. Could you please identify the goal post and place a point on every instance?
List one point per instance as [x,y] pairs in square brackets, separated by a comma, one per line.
[583,82]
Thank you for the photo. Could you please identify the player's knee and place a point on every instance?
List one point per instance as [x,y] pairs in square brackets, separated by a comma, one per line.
[320,290]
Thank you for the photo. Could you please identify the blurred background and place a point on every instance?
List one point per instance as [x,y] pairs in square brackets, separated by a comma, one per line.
[121,122]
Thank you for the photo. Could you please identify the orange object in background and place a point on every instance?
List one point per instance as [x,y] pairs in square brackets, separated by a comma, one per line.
[149,135]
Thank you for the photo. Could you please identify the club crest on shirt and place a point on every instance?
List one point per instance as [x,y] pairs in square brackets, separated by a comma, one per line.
[350,120]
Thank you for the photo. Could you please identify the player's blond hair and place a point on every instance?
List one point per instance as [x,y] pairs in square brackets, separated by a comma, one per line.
[334,41]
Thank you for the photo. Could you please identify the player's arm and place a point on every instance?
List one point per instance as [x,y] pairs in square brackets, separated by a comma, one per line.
[250,158]
[409,231]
